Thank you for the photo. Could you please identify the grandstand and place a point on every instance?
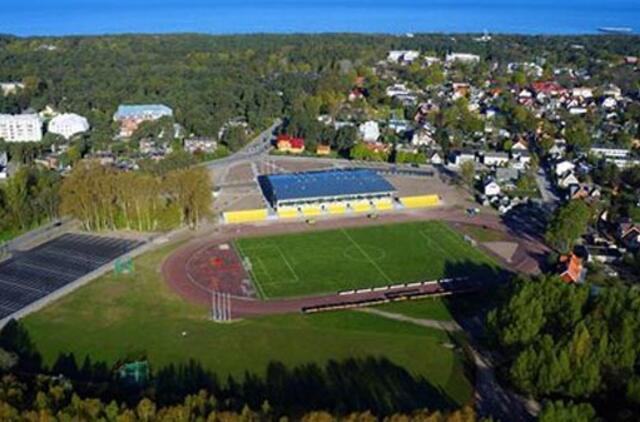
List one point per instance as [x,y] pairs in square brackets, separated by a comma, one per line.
[246,216]
[315,191]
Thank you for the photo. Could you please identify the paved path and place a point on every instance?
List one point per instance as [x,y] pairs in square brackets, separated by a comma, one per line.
[491,399]
[449,326]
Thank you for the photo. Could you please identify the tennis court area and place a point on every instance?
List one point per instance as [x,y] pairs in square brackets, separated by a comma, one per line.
[334,260]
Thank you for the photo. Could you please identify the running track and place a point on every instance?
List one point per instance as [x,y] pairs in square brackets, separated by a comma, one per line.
[525,259]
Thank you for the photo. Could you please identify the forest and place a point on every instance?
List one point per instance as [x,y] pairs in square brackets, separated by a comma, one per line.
[572,343]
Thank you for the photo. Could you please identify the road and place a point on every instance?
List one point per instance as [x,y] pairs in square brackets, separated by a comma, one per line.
[260,145]
[546,189]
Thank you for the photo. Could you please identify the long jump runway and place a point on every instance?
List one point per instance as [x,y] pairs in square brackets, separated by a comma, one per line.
[34,274]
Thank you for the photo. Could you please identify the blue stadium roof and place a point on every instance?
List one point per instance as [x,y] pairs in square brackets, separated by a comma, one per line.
[324,184]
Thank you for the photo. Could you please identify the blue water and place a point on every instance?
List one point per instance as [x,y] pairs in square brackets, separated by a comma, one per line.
[66,17]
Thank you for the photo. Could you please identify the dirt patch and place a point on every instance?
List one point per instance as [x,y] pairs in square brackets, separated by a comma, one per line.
[239,173]
[506,250]
[295,166]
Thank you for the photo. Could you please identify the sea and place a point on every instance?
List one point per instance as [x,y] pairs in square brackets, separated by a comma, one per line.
[91,17]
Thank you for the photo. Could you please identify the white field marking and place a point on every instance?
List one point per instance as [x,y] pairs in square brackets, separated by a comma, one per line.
[257,283]
[270,248]
[286,261]
[431,243]
[458,238]
[357,245]
[252,273]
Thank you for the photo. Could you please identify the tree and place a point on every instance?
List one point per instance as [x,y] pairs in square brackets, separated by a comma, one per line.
[569,223]
[577,135]
[190,189]
[559,411]
[468,172]
[235,138]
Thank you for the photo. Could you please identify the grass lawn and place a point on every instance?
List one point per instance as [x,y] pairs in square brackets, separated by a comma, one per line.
[123,316]
[481,234]
[329,261]
[429,308]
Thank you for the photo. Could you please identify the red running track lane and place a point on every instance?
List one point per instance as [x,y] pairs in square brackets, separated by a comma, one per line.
[176,273]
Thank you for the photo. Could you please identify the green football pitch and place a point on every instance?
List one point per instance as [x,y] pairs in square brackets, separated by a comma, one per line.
[334,260]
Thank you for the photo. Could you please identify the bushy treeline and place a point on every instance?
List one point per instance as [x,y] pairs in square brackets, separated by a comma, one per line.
[50,399]
[27,199]
[103,198]
[567,341]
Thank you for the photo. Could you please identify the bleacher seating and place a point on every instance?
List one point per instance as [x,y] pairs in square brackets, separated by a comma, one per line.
[246,216]
[383,204]
[311,210]
[288,212]
[421,201]
[361,206]
[336,208]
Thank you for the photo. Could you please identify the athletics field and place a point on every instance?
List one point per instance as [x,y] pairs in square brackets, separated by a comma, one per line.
[350,258]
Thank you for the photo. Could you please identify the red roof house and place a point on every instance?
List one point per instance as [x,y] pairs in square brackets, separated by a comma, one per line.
[571,269]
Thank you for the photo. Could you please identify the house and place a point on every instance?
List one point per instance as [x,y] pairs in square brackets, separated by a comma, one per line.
[457,158]
[583,191]
[430,60]
[603,254]
[629,234]
[564,167]
[68,125]
[10,88]
[402,56]
[570,269]
[435,159]
[491,188]
[356,94]
[577,111]
[369,131]
[558,149]
[398,125]
[507,175]
[462,58]
[3,165]
[131,116]
[609,152]
[289,144]
[323,149]
[397,90]
[20,127]
[581,92]
[521,145]
[567,180]
[378,147]
[495,158]
[422,137]
[202,144]
[609,103]
[612,91]
[545,89]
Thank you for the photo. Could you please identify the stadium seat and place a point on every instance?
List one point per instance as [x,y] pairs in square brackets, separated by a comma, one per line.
[246,216]
[422,201]
[336,209]
[311,210]
[288,212]
[363,206]
[383,204]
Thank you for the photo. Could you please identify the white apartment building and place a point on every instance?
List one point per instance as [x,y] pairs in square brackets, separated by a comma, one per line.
[68,125]
[20,127]
[462,57]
